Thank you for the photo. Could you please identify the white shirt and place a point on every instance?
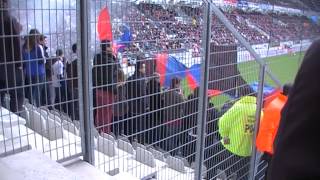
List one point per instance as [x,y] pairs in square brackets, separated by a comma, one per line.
[57,72]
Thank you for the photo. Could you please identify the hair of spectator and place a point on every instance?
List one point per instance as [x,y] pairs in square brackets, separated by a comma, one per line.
[33,38]
[175,82]
[59,52]
[74,48]
[105,44]
[42,37]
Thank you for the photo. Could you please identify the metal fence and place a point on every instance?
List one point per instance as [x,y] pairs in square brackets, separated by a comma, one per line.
[156,90]
[39,98]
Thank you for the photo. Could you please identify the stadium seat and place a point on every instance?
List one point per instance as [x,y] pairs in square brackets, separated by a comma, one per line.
[46,127]
[125,146]
[109,137]
[106,146]
[176,164]
[146,157]
[157,154]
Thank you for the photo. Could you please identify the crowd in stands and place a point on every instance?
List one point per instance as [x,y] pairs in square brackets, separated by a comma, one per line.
[156,27]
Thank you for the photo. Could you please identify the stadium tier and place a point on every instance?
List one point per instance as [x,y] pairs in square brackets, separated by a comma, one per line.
[173,27]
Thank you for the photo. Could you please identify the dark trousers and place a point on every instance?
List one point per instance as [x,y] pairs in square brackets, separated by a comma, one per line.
[45,101]
[119,125]
[73,103]
[136,126]
[174,140]
[60,101]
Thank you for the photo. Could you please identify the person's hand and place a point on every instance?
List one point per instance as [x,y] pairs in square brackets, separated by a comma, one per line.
[226,140]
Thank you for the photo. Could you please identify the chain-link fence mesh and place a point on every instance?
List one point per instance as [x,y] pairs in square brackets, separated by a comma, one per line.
[39,99]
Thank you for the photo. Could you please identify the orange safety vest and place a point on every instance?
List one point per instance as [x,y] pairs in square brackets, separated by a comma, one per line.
[270,122]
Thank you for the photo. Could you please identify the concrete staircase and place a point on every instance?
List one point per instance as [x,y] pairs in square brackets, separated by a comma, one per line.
[34,165]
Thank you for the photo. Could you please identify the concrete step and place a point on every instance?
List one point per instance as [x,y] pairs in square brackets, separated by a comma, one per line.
[34,165]
[86,171]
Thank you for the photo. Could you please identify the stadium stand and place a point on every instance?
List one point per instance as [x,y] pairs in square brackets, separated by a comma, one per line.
[172,34]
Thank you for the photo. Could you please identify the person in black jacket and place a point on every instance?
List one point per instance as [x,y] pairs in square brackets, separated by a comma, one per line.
[155,116]
[11,74]
[105,67]
[296,153]
[137,90]
[173,116]
[120,107]
[72,84]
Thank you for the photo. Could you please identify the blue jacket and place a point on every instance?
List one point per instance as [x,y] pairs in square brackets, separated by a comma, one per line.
[33,62]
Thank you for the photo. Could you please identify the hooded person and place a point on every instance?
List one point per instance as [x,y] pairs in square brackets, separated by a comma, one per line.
[137,91]
[11,74]
[296,147]
[104,76]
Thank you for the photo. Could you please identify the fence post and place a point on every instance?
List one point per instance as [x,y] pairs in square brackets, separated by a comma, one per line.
[202,114]
[85,83]
[252,171]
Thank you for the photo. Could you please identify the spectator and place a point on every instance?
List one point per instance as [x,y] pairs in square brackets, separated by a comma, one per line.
[58,81]
[155,117]
[120,108]
[43,43]
[269,124]
[11,75]
[191,110]
[236,128]
[46,90]
[72,84]
[296,151]
[104,76]
[173,114]
[34,67]
[50,95]
[137,100]
[190,125]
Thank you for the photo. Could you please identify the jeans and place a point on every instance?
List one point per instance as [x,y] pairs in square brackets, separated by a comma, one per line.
[36,86]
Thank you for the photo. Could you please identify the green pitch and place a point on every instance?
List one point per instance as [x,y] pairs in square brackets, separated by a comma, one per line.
[283,67]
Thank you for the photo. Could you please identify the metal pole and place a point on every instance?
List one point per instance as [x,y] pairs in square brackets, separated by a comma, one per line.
[202,115]
[252,171]
[238,36]
[85,92]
